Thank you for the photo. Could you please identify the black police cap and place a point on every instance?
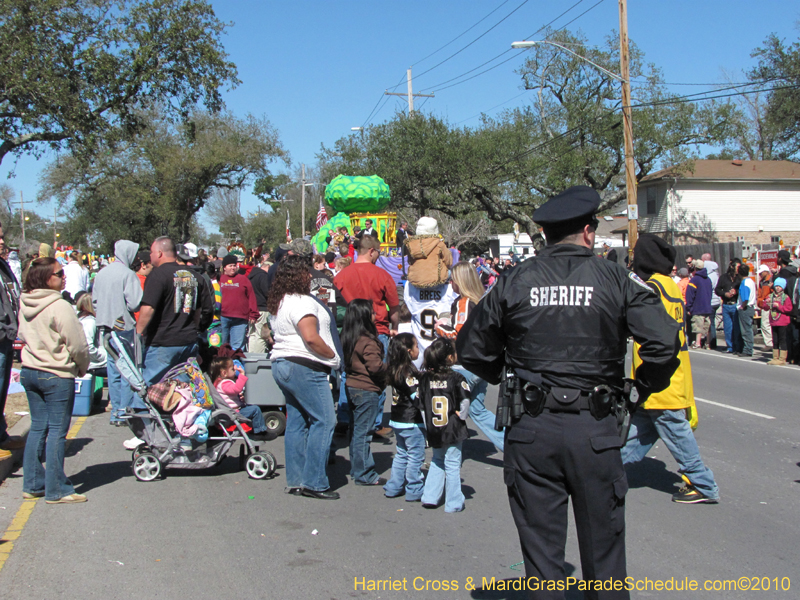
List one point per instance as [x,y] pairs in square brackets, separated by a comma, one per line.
[573,204]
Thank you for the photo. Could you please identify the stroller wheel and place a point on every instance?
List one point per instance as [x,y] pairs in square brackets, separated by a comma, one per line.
[260,465]
[146,467]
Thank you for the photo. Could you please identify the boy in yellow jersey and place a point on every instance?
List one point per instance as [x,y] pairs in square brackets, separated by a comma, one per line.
[671,414]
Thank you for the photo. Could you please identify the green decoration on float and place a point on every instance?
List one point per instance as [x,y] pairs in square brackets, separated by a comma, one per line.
[357,194]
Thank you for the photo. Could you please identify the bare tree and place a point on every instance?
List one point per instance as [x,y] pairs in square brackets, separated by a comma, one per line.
[224,210]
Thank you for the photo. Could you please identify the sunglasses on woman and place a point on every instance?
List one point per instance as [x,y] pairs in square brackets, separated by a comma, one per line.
[59,273]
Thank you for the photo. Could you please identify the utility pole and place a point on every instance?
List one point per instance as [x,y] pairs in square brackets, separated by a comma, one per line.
[303,201]
[22,215]
[410,94]
[627,123]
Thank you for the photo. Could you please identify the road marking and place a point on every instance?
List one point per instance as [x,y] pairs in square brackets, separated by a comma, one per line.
[24,513]
[736,408]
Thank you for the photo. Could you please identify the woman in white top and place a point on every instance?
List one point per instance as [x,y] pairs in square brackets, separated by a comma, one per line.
[97,353]
[302,358]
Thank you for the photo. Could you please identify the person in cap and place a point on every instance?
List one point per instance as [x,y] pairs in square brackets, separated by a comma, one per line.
[698,303]
[671,414]
[239,305]
[557,327]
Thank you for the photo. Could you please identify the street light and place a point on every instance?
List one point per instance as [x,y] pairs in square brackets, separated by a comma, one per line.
[531,44]
[627,119]
[355,129]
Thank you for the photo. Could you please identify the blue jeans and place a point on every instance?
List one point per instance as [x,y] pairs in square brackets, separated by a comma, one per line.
[407,464]
[160,359]
[6,358]
[384,339]
[746,327]
[253,412]
[120,393]
[676,433]
[730,322]
[444,475]
[50,399]
[234,332]
[362,405]
[310,419]
[481,415]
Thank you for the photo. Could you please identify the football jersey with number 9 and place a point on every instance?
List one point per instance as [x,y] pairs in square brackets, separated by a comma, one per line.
[426,307]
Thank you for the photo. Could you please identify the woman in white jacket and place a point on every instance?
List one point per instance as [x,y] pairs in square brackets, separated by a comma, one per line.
[55,353]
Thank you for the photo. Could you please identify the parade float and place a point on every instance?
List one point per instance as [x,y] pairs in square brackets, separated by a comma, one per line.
[357,199]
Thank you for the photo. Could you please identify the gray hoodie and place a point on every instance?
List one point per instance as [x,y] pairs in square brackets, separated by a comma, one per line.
[713,275]
[117,292]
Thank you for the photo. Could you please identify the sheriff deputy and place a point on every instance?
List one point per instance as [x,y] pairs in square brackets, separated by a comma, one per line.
[561,322]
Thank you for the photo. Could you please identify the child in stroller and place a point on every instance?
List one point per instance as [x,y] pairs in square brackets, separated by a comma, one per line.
[160,427]
[229,380]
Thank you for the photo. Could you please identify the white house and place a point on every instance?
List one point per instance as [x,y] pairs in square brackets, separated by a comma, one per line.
[757,202]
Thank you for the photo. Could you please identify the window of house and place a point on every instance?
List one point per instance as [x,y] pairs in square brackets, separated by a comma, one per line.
[651,200]
[775,239]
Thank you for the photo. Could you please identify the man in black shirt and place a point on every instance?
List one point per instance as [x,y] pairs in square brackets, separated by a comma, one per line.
[561,322]
[172,304]
[260,280]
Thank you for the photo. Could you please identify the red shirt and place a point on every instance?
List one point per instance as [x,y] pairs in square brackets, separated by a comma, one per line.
[238,297]
[366,281]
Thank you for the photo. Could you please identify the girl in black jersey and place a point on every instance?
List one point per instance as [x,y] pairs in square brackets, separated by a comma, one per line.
[406,420]
[445,399]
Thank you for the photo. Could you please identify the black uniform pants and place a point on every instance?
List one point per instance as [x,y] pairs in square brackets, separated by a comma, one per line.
[549,459]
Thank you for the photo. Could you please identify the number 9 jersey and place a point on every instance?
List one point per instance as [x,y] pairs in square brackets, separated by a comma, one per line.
[427,305]
[442,394]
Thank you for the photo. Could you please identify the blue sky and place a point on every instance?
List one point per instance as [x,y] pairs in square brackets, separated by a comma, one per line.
[317,68]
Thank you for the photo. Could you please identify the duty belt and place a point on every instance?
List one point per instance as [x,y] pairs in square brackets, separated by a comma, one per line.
[599,401]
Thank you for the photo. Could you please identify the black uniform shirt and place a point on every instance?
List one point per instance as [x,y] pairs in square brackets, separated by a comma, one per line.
[567,315]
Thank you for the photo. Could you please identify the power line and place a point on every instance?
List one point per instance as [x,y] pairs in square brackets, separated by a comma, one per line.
[462,33]
[373,111]
[504,52]
[438,87]
[675,100]
[524,2]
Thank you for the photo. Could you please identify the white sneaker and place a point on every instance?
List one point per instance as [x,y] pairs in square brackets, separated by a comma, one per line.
[133,443]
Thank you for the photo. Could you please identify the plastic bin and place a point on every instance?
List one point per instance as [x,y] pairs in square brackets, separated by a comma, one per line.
[83,396]
[261,388]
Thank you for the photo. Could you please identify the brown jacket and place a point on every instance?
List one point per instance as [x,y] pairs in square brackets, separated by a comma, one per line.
[429,260]
[367,370]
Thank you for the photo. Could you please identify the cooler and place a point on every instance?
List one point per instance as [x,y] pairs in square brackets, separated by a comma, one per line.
[83,396]
[261,388]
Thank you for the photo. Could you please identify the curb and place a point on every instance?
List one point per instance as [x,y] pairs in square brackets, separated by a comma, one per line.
[10,464]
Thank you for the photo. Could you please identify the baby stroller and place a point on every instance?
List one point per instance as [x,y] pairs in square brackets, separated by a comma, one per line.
[164,445]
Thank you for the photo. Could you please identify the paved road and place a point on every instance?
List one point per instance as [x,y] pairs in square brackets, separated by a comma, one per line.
[200,535]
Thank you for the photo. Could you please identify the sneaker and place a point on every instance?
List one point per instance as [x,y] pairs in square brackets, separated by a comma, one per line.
[71,499]
[32,495]
[688,494]
[133,443]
